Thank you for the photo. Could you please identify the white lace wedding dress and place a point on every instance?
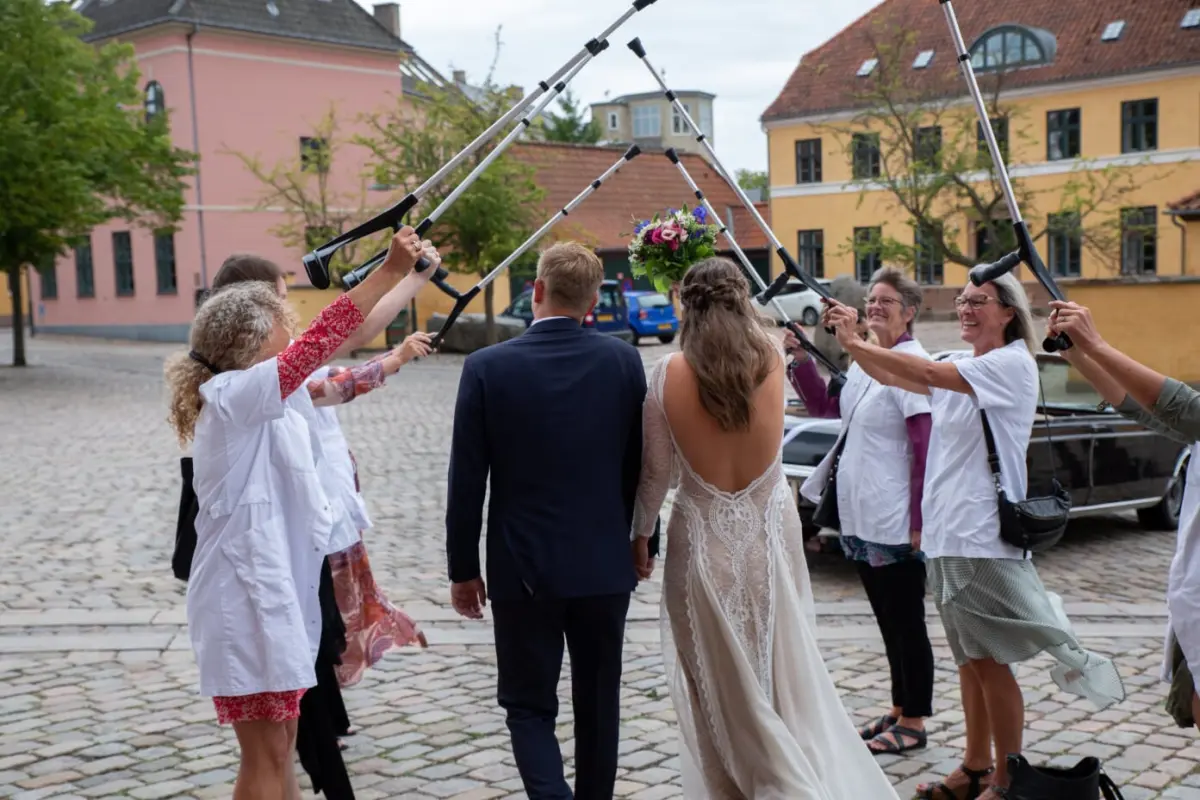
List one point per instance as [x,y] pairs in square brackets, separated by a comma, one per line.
[759,715]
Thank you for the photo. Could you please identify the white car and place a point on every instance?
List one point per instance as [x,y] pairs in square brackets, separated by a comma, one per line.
[800,303]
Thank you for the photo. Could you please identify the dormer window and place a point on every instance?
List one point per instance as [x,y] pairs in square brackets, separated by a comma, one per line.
[1113,31]
[154,102]
[1012,46]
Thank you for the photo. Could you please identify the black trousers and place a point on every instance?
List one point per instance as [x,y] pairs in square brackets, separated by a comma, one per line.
[323,716]
[529,650]
[897,595]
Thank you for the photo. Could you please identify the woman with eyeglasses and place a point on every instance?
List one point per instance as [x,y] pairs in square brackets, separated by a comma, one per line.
[880,478]
[993,606]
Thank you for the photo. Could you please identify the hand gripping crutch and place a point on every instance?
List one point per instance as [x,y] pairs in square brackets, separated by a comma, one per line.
[461,303]
[791,268]
[837,378]
[1025,253]
[316,263]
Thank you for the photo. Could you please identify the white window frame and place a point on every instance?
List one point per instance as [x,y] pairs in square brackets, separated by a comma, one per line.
[647,121]
[614,122]
[678,123]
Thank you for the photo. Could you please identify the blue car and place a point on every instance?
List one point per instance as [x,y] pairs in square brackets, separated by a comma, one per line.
[651,314]
[609,315]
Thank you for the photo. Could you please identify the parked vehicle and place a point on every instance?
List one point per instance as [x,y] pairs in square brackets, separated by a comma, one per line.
[802,304]
[1106,462]
[610,314]
[651,314]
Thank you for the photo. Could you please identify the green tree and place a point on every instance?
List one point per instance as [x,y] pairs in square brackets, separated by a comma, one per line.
[920,149]
[500,210]
[750,179]
[76,147]
[315,211]
[569,125]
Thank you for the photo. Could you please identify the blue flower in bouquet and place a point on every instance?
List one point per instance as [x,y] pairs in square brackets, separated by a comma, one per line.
[641,226]
[700,215]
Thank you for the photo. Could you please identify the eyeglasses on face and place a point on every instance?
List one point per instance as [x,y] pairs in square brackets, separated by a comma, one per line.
[975,301]
[886,302]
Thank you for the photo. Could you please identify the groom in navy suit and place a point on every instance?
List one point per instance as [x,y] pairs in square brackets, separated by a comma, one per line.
[554,419]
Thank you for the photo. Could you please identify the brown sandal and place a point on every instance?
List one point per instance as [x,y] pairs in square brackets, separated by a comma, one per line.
[940,791]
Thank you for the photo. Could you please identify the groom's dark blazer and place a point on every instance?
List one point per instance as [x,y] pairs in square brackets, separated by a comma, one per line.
[554,417]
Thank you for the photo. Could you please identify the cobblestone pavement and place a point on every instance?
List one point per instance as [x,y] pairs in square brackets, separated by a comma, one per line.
[97,695]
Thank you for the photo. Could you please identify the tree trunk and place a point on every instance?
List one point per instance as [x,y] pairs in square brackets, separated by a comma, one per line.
[18,316]
[489,315]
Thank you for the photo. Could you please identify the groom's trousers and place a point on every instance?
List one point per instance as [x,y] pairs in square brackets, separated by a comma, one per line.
[529,650]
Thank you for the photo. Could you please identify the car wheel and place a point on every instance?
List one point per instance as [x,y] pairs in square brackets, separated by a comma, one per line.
[1165,515]
[810,318]
[634,341]
[667,338]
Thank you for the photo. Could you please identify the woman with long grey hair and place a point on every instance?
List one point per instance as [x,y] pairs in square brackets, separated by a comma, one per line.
[993,606]
[880,478]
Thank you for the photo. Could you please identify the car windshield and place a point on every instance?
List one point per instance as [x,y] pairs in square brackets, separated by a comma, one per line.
[609,299]
[521,305]
[1065,387]
[653,301]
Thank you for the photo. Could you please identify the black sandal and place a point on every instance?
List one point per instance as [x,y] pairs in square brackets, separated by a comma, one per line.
[873,729]
[940,791]
[893,740]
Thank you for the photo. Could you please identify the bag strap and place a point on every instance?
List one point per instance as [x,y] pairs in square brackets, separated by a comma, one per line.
[1110,790]
[994,458]
[841,442]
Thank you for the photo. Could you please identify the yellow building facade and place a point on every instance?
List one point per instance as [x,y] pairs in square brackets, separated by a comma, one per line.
[1143,122]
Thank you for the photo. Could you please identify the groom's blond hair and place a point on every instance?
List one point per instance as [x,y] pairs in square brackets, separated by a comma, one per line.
[572,274]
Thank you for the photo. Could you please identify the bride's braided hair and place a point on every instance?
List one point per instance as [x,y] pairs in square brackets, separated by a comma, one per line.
[722,338]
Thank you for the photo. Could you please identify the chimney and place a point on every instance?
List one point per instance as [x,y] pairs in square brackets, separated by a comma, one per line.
[460,77]
[388,15]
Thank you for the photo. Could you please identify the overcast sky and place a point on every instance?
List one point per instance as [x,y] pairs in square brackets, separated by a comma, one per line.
[740,50]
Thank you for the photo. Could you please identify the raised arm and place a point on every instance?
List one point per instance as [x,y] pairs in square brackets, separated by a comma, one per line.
[1124,382]
[345,315]
[812,389]
[391,304]
[338,385]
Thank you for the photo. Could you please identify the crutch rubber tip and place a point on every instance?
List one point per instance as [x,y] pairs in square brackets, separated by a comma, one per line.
[632,152]
[640,4]
[636,47]
[671,154]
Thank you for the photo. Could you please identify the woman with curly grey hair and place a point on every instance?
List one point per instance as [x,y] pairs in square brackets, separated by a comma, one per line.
[993,605]
[264,519]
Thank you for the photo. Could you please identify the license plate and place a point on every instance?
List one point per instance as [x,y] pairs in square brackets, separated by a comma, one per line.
[604,318]
[666,326]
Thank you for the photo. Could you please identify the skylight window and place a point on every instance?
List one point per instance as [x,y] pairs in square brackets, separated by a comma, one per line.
[1112,31]
[1191,19]
[867,67]
[272,9]
[923,59]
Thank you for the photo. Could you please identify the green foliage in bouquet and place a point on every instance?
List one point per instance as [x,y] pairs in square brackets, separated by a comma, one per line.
[663,248]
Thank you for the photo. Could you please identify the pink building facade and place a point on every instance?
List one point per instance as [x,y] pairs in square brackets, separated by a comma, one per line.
[248,76]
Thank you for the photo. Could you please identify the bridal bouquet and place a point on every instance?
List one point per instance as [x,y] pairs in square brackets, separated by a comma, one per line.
[663,248]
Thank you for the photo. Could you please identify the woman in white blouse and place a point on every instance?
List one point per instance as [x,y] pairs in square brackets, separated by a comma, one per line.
[264,522]
[993,605]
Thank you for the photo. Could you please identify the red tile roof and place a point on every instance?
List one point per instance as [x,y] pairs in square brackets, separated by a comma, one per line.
[826,79]
[1187,205]
[649,183]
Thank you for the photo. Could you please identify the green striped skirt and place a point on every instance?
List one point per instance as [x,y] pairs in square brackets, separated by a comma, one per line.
[997,608]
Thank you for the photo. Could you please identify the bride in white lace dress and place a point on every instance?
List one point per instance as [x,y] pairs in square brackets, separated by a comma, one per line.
[759,715]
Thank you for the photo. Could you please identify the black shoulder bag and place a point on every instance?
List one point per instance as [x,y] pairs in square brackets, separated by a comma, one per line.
[185,524]
[826,514]
[1036,523]
[1084,781]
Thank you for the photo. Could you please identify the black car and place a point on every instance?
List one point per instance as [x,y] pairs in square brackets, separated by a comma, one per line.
[1107,463]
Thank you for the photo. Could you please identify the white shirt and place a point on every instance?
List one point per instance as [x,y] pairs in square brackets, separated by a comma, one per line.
[336,471]
[875,470]
[960,505]
[1183,581]
[261,537]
